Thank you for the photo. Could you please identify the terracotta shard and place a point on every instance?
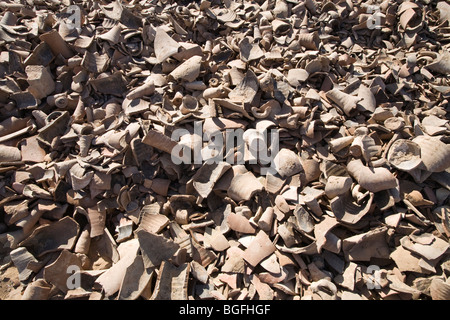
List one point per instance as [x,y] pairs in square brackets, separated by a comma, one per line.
[258,249]
[189,70]
[97,221]
[244,186]
[60,235]
[240,224]
[151,220]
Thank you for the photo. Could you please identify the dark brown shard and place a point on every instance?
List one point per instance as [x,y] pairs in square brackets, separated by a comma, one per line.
[155,249]
[114,84]
[172,282]
[62,272]
[60,235]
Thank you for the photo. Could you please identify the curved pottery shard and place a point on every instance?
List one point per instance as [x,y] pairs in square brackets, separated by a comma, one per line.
[442,65]
[9,154]
[56,125]
[244,186]
[368,102]
[188,70]
[439,290]
[345,101]
[54,237]
[155,249]
[287,163]
[164,45]
[55,272]
[135,280]
[435,154]
[404,155]
[346,210]
[250,51]
[259,248]
[372,179]
[365,246]
[206,177]
[246,91]
[337,185]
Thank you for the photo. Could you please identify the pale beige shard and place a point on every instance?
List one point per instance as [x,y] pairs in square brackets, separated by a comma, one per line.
[247,89]
[199,272]
[37,290]
[216,239]
[40,80]
[258,249]
[370,178]
[429,251]
[442,63]
[271,264]
[206,177]
[435,154]
[135,281]
[9,154]
[264,291]
[347,279]
[365,246]
[347,210]
[111,280]
[57,44]
[337,185]
[164,45]
[250,51]
[244,186]
[235,261]
[287,163]
[189,70]
[160,141]
[346,102]
[240,223]
[322,229]
[404,155]
[439,290]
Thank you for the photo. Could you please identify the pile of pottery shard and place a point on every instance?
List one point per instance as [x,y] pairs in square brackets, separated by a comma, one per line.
[98,202]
